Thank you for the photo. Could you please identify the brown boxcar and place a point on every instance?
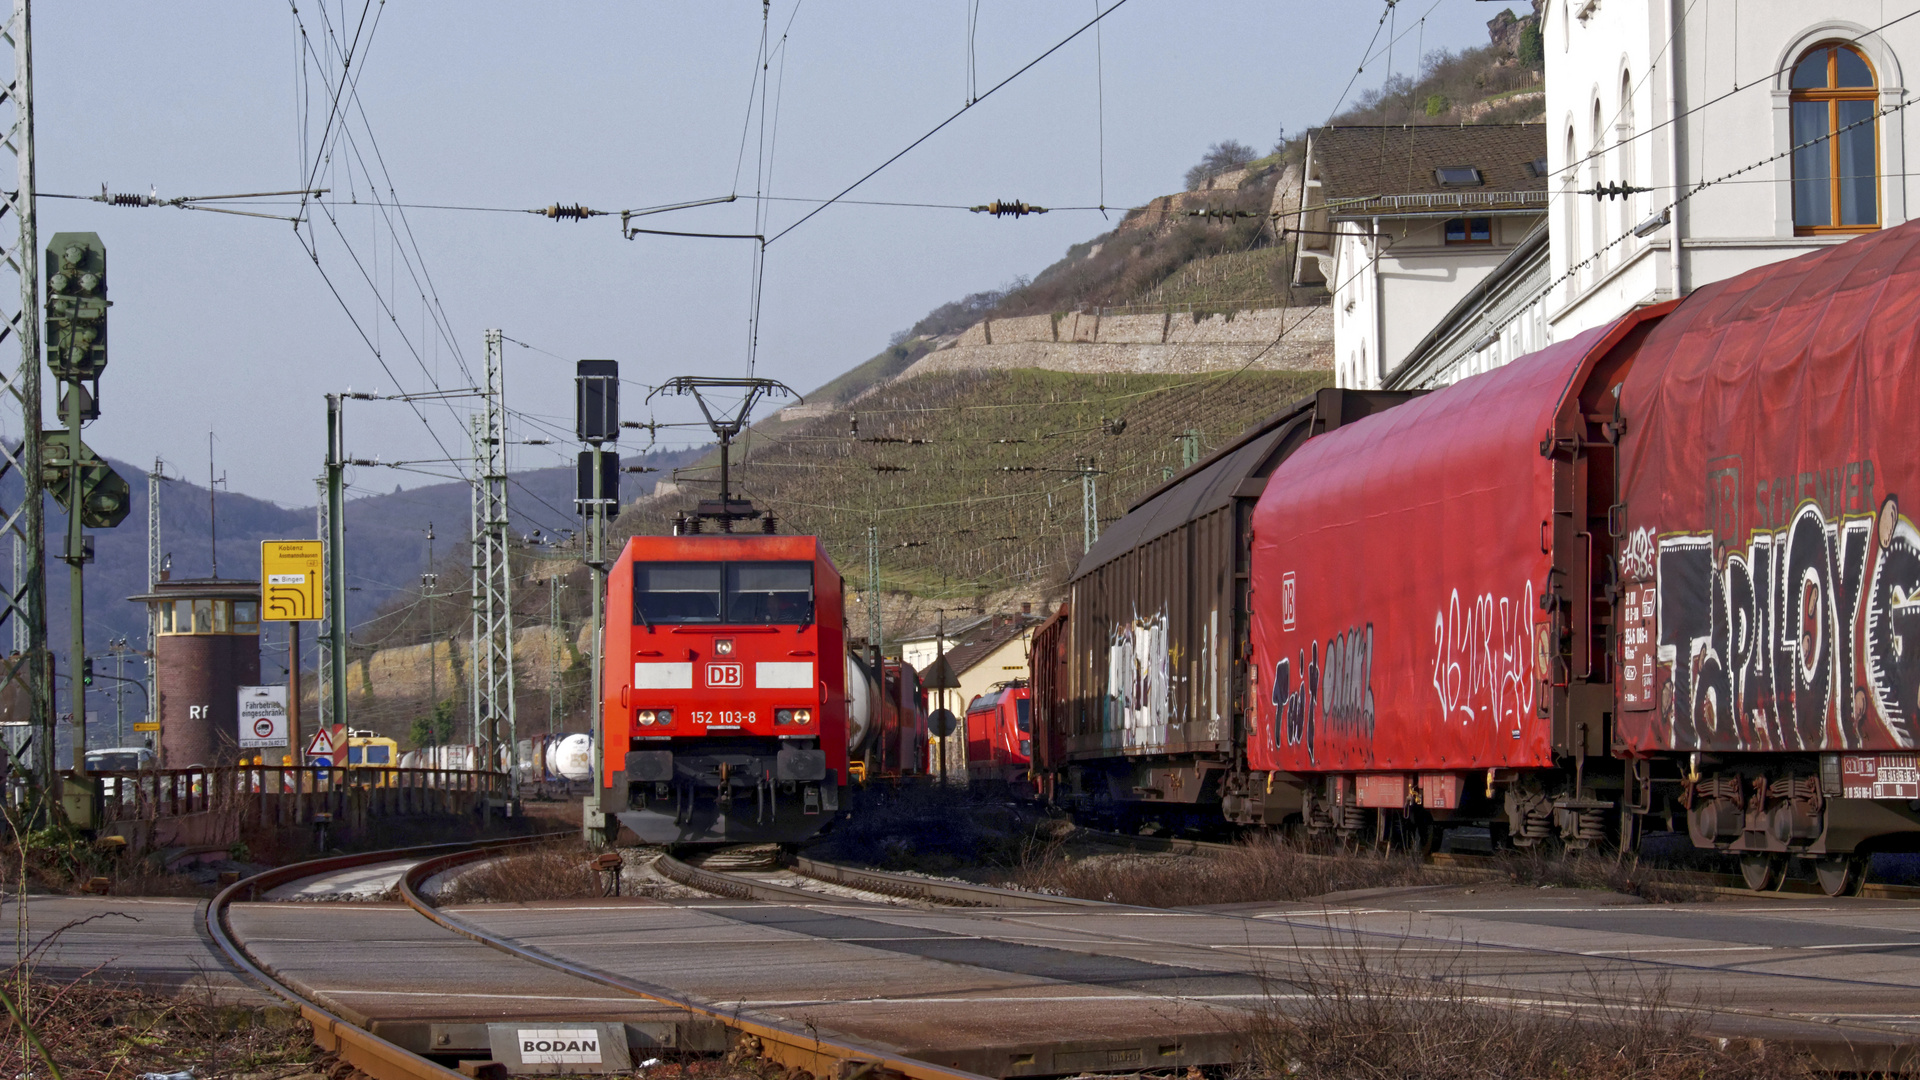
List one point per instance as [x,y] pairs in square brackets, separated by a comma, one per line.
[1140,685]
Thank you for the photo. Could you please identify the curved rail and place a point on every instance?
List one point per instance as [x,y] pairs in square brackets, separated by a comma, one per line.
[790,1044]
[932,890]
[361,1048]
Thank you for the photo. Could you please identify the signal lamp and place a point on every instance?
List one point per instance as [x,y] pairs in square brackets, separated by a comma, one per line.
[802,716]
[644,716]
[783,716]
[665,716]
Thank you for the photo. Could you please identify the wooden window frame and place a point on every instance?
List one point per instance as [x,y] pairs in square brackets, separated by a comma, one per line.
[1468,238]
[1832,95]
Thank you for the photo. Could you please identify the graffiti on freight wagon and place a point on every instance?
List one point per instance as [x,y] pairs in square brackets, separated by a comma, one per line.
[1139,677]
[1340,690]
[1483,659]
[1807,639]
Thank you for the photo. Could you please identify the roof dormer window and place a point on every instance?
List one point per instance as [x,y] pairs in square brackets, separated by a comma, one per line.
[1537,168]
[1457,176]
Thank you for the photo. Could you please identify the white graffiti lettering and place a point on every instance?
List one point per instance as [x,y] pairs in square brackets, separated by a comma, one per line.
[1483,659]
[1637,555]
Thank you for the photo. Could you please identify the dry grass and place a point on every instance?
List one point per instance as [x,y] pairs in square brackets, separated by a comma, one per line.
[558,872]
[1601,870]
[118,1031]
[1348,1016]
[1267,867]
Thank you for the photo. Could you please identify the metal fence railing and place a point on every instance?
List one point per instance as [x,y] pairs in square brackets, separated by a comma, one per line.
[273,795]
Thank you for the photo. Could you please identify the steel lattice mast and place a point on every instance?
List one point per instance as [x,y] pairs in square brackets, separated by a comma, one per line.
[25,602]
[492,590]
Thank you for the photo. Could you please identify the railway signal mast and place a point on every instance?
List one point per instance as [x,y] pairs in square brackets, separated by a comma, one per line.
[596,422]
[87,488]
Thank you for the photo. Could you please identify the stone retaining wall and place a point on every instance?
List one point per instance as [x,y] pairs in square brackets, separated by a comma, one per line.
[1274,339]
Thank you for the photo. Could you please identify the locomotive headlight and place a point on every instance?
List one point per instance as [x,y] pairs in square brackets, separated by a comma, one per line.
[803,716]
[783,716]
[644,716]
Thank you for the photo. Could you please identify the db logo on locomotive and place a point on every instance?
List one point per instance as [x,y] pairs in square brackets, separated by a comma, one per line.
[723,676]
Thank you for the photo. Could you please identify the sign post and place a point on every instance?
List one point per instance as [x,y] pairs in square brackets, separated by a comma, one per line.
[290,572]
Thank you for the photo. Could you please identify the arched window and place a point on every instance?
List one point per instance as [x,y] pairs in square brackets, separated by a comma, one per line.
[1596,209]
[1570,213]
[1623,132]
[1836,160]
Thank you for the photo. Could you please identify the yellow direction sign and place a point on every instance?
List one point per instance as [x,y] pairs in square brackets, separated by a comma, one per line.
[290,580]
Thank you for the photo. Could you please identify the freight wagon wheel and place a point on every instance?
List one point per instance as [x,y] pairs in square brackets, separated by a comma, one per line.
[1762,872]
[1630,826]
[1841,875]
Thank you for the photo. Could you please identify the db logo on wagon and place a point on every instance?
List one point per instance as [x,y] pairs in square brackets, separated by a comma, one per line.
[723,676]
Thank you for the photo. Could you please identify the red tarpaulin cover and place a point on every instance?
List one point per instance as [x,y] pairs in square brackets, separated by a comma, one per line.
[1397,565]
[1770,469]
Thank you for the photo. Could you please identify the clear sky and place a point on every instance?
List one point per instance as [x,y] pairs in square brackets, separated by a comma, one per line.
[224,323]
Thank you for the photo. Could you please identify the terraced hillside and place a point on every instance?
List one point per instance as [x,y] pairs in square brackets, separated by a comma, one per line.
[972,478]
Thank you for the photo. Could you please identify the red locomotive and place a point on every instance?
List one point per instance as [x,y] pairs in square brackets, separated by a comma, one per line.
[725,717]
[1659,571]
[1000,741]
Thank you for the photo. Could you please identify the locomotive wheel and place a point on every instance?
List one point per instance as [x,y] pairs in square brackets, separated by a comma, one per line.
[1761,871]
[1841,875]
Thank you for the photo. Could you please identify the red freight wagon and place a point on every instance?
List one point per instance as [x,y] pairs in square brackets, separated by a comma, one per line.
[1768,555]
[725,683]
[1424,587]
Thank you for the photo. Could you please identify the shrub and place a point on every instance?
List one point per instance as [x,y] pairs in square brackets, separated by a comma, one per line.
[1220,157]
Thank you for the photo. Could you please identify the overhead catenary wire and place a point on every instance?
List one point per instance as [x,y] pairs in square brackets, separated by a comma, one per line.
[937,128]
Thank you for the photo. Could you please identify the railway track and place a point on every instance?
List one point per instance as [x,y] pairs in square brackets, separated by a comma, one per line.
[794,1046]
[366,1051]
[1529,970]
[859,971]
[1469,867]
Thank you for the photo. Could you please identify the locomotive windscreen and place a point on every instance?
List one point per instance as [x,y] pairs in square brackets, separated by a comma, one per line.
[770,592]
[676,593]
[734,594]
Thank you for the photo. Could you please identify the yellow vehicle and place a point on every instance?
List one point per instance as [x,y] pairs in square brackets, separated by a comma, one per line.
[371,750]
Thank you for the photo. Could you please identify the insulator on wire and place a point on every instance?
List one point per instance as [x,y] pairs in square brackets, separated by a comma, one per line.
[890,468]
[570,212]
[1613,189]
[1008,208]
[1208,212]
[896,439]
[122,199]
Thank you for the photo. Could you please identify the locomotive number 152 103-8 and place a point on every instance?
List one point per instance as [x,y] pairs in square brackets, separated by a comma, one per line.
[724,716]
